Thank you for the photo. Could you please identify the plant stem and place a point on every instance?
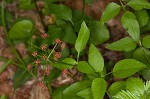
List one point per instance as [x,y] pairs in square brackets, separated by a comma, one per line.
[52,51]
[83,7]
[108,95]
[122,5]
[6,34]
[40,15]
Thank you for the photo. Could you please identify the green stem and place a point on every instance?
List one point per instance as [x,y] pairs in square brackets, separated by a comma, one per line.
[122,5]
[40,15]
[108,95]
[52,51]
[78,57]
[6,34]
[83,7]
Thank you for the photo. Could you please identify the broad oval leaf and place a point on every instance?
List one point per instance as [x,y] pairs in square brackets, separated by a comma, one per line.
[99,33]
[142,17]
[76,87]
[83,37]
[66,63]
[84,67]
[139,4]
[61,11]
[111,10]
[99,86]
[143,55]
[146,41]
[116,87]
[130,23]
[124,44]
[127,67]
[85,93]
[21,29]
[135,86]
[95,59]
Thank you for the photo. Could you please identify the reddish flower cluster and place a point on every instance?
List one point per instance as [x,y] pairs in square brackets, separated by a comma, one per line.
[34,53]
[58,41]
[57,55]
[64,72]
[45,57]
[42,85]
[29,67]
[44,35]
[43,47]
[37,61]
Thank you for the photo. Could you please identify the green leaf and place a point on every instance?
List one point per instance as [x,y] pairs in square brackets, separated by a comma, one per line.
[125,95]
[146,41]
[116,87]
[99,86]
[76,87]
[58,93]
[124,44]
[61,11]
[142,17]
[66,63]
[139,4]
[69,35]
[54,33]
[127,67]
[21,29]
[84,67]
[85,93]
[4,66]
[53,74]
[111,10]
[83,37]
[95,59]
[130,23]
[143,55]
[135,86]
[146,73]
[20,77]
[26,4]
[99,33]
[3,97]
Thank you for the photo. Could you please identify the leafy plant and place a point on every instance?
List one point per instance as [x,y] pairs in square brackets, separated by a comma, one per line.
[81,34]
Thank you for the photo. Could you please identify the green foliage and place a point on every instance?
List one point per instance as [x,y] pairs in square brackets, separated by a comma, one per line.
[20,77]
[124,44]
[4,66]
[99,86]
[61,11]
[86,93]
[22,29]
[99,33]
[72,90]
[3,97]
[135,89]
[83,37]
[26,4]
[145,41]
[130,23]
[116,87]
[84,67]
[138,5]
[127,67]
[95,59]
[142,17]
[70,33]
[110,11]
